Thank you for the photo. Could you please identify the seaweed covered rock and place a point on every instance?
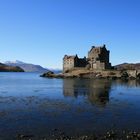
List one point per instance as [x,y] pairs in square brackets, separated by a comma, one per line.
[48,74]
[51,74]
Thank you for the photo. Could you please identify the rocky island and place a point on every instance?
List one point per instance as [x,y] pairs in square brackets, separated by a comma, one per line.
[6,68]
[96,65]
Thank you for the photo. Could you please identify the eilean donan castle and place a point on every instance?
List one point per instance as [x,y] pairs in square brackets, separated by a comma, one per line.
[98,59]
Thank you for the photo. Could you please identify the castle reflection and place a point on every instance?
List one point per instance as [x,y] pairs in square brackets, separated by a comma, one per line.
[97,91]
[128,83]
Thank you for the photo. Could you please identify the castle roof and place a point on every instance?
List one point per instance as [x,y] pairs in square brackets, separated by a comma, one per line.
[70,56]
[97,47]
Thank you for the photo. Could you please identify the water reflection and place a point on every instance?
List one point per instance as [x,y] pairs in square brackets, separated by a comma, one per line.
[128,83]
[96,91]
[33,105]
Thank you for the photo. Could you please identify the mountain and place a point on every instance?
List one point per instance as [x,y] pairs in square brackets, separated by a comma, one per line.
[129,66]
[15,62]
[26,66]
[6,68]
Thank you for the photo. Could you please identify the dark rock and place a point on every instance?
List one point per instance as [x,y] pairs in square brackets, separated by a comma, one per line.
[124,75]
[21,136]
[132,78]
[51,74]
[47,74]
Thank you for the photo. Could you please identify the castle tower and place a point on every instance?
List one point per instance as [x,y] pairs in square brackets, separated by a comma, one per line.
[98,58]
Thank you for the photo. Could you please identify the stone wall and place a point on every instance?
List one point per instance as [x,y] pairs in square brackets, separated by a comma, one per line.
[98,58]
[80,62]
[68,64]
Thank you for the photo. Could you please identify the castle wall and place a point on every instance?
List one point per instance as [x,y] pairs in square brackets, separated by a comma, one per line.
[104,56]
[98,58]
[68,64]
[100,66]
[81,62]
[72,62]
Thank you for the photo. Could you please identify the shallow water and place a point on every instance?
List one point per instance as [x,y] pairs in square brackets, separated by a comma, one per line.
[36,106]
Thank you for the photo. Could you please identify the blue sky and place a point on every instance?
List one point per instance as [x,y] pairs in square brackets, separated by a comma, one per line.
[42,31]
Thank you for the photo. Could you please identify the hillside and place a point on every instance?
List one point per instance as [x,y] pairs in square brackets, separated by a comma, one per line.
[6,68]
[26,66]
[127,66]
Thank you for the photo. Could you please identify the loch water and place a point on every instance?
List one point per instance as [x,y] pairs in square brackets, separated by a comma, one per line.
[37,106]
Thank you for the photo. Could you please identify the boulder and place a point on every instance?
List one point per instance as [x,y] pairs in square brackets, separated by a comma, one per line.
[47,74]
[51,74]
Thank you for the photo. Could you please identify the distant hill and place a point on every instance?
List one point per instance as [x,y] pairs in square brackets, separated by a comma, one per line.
[129,66]
[6,68]
[26,66]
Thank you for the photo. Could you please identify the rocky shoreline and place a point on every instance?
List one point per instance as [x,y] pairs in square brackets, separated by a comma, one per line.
[109,135]
[107,74]
[51,74]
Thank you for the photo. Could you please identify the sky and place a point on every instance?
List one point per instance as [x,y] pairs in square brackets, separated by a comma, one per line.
[43,31]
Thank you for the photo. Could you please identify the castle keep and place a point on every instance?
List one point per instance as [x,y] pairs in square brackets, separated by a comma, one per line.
[98,59]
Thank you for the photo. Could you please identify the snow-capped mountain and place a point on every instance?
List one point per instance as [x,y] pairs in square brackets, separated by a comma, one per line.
[14,62]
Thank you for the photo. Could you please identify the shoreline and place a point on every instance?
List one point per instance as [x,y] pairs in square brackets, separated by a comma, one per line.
[106,74]
[108,135]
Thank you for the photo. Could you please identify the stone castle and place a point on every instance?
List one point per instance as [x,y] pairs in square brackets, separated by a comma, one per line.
[98,59]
